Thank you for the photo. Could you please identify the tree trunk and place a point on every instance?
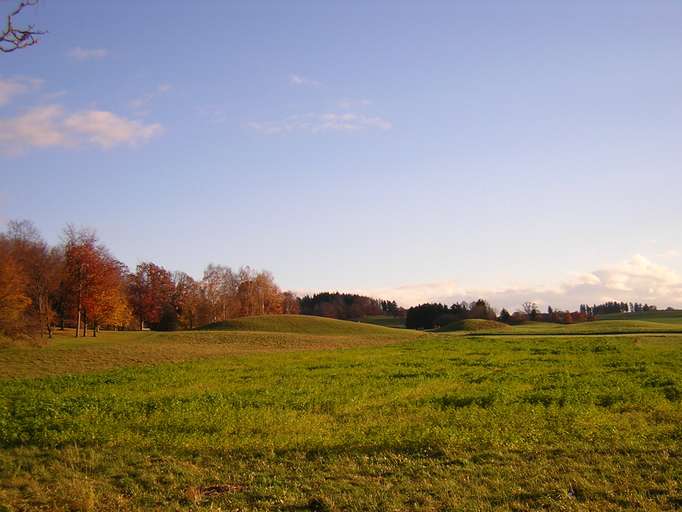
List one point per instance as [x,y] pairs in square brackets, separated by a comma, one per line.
[40,314]
[94,329]
[85,324]
[80,306]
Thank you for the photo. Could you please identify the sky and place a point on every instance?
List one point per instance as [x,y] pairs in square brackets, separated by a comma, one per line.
[410,150]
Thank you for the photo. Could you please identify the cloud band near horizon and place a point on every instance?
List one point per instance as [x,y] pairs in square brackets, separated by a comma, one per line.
[637,279]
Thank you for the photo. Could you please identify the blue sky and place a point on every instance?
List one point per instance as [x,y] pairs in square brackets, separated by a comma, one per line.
[421,150]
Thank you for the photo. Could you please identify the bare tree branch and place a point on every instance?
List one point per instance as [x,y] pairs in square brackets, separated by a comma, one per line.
[14,38]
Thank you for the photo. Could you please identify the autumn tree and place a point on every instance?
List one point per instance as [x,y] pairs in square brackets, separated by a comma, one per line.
[290,304]
[79,255]
[258,294]
[150,291]
[187,297]
[95,281]
[41,267]
[14,300]
[220,286]
[106,302]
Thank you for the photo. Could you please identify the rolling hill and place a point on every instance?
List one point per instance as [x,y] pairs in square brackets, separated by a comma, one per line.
[385,321]
[303,324]
[667,317]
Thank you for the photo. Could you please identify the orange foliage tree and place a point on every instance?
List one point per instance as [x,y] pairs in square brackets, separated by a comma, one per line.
[14,300]
[150,291]
[95,281]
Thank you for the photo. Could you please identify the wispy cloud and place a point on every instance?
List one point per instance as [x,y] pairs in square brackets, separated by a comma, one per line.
[141,105]
[315,123]
[106,129]
[51,126]
[37,128]
[83,54]
[303,81]
[636,279]
[11,87]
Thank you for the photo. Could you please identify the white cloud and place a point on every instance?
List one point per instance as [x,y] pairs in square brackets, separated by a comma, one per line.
[83,54]
[314,123]
[50,126]
[637,279]
[10,87]
[299,80]
[107,130]
[39,128]
[411,294]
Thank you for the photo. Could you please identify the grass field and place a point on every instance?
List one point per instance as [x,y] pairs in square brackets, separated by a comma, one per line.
[288,421]
[587,328]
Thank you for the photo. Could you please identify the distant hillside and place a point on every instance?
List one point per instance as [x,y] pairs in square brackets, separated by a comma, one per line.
[385,320]
[305,324]
[667,317]
[472,324]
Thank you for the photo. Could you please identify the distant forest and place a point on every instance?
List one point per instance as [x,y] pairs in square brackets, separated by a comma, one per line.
[347,306]
[615,307]
[432,315]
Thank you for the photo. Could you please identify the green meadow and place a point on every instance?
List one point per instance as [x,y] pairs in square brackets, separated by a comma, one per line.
[315,414]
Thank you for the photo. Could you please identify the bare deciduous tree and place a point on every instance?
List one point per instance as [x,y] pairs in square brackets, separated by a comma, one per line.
[13,37]
[531,309]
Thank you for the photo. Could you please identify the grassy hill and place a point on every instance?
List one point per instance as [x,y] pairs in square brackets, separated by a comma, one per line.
[304,324]
[473,324]
[668,317]
[385,321]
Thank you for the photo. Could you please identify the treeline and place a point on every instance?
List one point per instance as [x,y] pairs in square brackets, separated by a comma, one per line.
[432,315]
[79,283]
[615,307]
[347,306]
